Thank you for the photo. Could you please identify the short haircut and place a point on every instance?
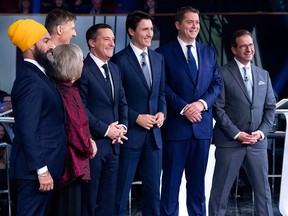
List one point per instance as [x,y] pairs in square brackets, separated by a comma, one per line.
[92,32]
[239,33]
[67,58]
[134,18]
[57,17]
[180,14]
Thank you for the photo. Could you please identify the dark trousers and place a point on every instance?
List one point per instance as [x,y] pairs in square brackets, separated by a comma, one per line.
[150,159]
[192,156]
[98,195]
[67,200]
[30,201]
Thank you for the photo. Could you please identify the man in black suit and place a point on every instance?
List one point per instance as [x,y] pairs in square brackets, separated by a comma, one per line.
[102,93]
[144,83]
[39,147]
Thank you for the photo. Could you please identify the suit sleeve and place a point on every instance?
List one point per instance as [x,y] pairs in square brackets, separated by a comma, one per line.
[269,109]
[132,114]
[28,122]
[96,125]
[220,115]
[162,101]
[175,102]
[215,86]
[122,106]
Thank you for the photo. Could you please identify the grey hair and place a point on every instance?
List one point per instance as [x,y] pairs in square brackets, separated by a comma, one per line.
[67,58]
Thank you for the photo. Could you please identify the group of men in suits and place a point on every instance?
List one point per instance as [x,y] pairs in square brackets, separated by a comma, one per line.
[125,99]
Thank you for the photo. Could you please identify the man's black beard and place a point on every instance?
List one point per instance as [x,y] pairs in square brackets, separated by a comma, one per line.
[42,59]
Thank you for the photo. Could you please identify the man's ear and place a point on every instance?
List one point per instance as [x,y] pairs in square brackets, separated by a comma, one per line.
[59,29]
[177,24]
[91,43]
[131,31]
[32,48]
[233,49]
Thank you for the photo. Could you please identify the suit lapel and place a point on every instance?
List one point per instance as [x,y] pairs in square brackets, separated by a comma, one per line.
[182,60]
[153,65]
[201,59]
[98,75]
[113,82]
[233,67]
[137,68]
[50,83]
[256,79]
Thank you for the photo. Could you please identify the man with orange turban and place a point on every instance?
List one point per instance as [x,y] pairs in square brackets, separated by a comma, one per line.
[38,152]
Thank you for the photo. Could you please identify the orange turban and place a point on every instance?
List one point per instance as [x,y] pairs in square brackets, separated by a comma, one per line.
[25,33]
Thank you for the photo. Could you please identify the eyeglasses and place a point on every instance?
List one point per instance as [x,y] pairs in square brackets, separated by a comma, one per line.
[243,47]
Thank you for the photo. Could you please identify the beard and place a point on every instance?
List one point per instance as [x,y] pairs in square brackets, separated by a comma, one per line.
[45,59]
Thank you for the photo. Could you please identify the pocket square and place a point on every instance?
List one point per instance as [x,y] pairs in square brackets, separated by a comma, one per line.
[261,83]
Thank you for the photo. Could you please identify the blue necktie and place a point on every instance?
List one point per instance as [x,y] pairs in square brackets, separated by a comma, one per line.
[191,63]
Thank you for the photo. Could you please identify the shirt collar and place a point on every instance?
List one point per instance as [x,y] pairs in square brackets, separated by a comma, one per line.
[35,63]
[240,65]
[184,45]
[138,51]
[98,62]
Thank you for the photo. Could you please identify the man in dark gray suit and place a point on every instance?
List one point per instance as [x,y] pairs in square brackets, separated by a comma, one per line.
[244,113]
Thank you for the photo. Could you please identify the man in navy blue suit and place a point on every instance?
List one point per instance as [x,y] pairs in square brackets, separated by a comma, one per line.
[103,95]
[193,83]
[144,83]
[39,146]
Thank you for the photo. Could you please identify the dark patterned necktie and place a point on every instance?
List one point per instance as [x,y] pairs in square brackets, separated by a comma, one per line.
[107,80]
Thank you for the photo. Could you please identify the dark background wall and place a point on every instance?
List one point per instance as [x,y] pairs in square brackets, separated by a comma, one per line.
[268,18]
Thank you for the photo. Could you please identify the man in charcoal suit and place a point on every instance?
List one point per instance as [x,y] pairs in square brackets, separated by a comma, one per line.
[244,114]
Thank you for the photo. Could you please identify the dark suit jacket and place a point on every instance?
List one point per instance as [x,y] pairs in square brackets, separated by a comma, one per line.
[235,112]
[101,108]
[140,99]
[181,90]
[40,137]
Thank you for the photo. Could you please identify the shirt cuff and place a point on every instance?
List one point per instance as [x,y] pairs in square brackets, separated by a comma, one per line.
[204,103]
[235,137]
[42,170]
[261,134]
[107,131]
[182,111]
[124,126]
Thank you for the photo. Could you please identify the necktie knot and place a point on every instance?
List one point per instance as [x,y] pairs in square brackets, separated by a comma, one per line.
[143,54]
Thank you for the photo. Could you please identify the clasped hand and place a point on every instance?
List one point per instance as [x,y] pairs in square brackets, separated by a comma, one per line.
[246,138]
[193,111]
[117,132]
[147,121]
